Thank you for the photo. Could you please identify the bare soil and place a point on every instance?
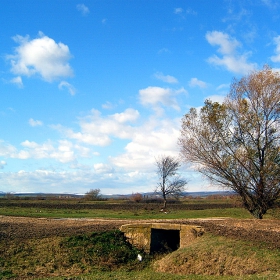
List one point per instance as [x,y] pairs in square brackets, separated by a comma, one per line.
[266,232]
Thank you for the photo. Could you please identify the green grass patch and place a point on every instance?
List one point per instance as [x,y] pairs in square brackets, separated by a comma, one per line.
[124,214]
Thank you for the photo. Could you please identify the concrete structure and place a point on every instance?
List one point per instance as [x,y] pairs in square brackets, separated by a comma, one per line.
[154,237]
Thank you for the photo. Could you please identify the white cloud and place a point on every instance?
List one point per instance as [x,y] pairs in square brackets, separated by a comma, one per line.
[178,11]
[154,137]
[79,181]
[98,130]
[216,98]
[41,56]
[129,115]
[2,164]
[17,81]
[107,105]
[7,150]
[230,58]
[276,41]
[223,86]
[103,168]
[63,151]
[83,9]
[64,84]
[165,78]
[194,82]
[33,122]
[157,95]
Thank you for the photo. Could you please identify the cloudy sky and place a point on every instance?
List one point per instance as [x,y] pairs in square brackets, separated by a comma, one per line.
[92,91]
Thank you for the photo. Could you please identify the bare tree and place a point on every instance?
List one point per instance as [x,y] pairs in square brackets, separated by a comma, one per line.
[93,194]
[236,144]
[170,183]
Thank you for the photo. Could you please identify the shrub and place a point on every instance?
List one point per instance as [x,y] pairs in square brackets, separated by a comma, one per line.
[136,197]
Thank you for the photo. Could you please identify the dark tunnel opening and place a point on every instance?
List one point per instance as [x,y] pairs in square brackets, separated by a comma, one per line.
[164,240]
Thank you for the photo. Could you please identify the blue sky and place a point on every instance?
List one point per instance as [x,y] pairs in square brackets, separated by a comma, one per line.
[92,91]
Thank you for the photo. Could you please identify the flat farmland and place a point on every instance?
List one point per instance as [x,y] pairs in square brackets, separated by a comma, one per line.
[122,209]
[32,234]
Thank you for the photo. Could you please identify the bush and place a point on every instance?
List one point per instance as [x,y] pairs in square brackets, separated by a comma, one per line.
[136,197]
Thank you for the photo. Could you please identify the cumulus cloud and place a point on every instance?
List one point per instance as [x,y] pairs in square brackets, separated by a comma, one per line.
[194,82]
[41,56]
[103,168]
[156,136]
[165,78]
[69,87]
[78,181]
[33,122]
[6,149]
[129,115]
[98,130]
[276,41]
[230,58]
[63,151]
[83,9]
[157,95]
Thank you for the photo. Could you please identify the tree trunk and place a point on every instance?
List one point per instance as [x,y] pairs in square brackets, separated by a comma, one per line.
[164,203]
[258,213]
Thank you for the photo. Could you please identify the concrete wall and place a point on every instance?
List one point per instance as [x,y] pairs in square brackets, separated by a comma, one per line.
[140,235]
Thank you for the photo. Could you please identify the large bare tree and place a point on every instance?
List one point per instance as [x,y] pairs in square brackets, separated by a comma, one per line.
[170,182]
[236,144]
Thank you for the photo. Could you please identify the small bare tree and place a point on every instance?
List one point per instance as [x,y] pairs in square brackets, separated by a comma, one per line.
[170,182]
[93,194]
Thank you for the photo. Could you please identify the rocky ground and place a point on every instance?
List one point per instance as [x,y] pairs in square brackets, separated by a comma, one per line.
[260,231]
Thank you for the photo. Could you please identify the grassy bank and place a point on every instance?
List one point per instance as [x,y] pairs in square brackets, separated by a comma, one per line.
[108,256]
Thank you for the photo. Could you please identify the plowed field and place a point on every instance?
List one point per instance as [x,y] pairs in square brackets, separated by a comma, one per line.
[264,231]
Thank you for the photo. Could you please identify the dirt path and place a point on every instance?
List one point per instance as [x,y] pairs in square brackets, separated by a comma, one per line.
[266,231]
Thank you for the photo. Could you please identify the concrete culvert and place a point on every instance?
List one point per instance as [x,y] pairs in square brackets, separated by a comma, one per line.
[161,237]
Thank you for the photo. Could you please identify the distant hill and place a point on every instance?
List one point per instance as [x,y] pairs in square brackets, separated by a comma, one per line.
[113,196]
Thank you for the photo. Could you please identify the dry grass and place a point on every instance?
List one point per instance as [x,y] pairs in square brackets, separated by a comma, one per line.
[214,255]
